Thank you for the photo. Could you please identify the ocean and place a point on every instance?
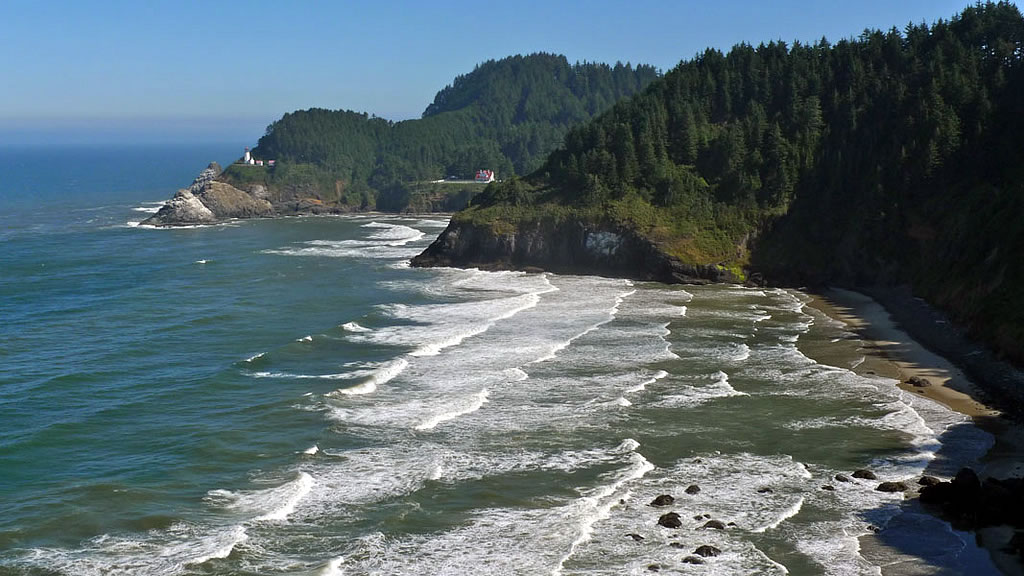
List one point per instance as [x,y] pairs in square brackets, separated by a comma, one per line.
[288,396]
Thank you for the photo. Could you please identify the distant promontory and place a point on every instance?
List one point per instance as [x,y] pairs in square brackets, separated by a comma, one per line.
[505,117]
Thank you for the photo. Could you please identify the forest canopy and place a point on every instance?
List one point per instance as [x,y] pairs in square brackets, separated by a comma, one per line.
[506,115]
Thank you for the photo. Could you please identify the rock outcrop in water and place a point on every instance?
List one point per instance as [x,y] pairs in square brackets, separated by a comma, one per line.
[208,200]
[572,246]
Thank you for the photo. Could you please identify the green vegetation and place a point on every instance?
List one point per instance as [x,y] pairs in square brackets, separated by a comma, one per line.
[893,157]
[506,115]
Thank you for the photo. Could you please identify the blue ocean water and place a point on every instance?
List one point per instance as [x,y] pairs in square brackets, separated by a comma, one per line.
[289,397]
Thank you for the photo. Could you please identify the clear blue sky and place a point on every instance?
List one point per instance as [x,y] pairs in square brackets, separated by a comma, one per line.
[198,70]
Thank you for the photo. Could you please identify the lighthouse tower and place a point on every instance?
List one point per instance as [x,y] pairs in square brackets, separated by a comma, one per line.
[247,159]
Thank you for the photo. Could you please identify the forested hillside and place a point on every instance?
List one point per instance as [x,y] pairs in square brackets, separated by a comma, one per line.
[506,115]
[894,157]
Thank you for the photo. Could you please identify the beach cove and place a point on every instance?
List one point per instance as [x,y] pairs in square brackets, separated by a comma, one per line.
[891,352]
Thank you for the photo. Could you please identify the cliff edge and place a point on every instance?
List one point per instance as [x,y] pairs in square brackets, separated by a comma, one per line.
[568,247]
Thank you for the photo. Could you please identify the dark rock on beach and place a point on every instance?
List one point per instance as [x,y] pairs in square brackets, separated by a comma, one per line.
[692,489]
[928,481]
[970,503]
[670,520]
[966,481]
[662,500]
[714,525]
[707,550]
[635,537]
[693,560]
[828,487]
[765,490]
[891,487]
[864,474]
[918,382]
[842,478]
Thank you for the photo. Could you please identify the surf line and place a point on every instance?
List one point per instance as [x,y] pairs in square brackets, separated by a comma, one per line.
[607,497]
[612,313]
[529,300]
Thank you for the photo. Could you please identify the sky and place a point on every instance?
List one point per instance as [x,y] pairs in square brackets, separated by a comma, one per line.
[200,71]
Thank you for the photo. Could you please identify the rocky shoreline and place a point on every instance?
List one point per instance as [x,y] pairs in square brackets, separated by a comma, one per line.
[572,247]
[989,502]
[208,200]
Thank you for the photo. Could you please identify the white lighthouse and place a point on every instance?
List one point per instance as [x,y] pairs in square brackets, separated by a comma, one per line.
[247,159]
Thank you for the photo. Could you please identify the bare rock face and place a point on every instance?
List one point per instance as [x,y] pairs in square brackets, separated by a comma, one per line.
[572,246]
[207,201]
[184,208]
[226,201]
[209,174]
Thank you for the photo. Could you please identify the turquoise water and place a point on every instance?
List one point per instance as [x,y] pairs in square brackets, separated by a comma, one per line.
[288,397]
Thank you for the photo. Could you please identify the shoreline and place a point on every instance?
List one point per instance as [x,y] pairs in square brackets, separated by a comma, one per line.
[891,350]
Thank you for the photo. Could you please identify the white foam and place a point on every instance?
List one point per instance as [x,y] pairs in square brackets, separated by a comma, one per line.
[786,514]
[835,547]
[201,262]
[516,374]
[311,450]
[722,383]
[391,241]
[441,326]
[474,404]
[161,552]
[623,402]
[599,504]
[354,327]
[288,375]
[149,207]
[382,375]
[255,356]
[560,346]
[698,392]
[741,353]
[333,567]
[293,493]
[306,338]
[236,535]
[270,504]
[395,234]
[643,385]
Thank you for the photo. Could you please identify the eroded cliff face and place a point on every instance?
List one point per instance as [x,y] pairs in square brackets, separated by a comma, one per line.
[207,200]
[566,247]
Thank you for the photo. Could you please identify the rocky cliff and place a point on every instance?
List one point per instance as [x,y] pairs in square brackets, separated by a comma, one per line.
[571,246]
[208,200]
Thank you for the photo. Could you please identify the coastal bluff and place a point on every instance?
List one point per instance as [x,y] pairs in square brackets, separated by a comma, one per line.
[572,247]
[208,200]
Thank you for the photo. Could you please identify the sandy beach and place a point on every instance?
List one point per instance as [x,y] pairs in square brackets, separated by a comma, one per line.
[891,352]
